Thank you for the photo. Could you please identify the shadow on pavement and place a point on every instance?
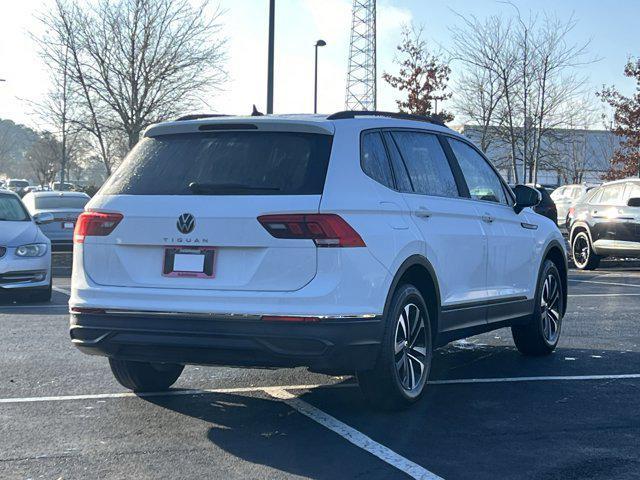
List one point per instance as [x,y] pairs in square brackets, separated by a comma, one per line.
[267,432]
[544,429]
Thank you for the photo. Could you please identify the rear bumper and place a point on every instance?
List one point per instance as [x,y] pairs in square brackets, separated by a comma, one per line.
[332,345]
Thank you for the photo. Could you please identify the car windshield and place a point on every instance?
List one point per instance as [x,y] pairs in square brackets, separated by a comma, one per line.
[225,163]
[53,202]
[11,209]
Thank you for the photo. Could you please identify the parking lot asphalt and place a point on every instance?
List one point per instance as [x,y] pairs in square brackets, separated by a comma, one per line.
[488,413]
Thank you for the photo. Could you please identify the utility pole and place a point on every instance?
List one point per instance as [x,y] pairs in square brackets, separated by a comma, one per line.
[272,14]
[319,43]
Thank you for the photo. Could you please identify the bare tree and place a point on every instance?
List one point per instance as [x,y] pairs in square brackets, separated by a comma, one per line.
[478,95]
[488,45]
[134,62]
[43,158]
[7,143]
[537,70]
[58,108]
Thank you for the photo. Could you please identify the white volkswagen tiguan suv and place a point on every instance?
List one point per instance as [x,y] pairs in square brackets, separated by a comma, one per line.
[349,243]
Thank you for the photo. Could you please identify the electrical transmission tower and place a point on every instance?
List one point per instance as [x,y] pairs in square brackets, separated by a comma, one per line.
[361,77]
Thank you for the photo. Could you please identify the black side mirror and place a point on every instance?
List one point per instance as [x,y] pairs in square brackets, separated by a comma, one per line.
[525,197]
[633,202]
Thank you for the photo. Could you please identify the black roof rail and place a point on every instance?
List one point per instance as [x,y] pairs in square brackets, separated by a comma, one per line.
[348,114]
[197,116]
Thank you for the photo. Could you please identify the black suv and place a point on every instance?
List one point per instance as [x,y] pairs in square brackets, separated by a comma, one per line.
[606,222]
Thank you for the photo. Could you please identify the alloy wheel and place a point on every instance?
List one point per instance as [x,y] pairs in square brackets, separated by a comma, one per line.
[410,350]
[581,250]
[550,309]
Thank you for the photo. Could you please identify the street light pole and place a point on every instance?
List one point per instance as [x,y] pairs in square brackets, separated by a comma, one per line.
[272,14]
[319,43]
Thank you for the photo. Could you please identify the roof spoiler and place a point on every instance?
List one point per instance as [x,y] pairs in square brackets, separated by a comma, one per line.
[198,116]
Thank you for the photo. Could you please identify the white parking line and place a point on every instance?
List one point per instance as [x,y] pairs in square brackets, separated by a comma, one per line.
[352,435]
[552,378]
[31,307]
[170,393]
[617,284]
[605,295]
[62,290]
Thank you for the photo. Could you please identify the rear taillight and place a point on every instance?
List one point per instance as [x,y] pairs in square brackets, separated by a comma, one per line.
[325,229]
[95,224]
[571,210]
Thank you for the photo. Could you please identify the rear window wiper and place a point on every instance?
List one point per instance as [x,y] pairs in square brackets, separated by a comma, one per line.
[205,188]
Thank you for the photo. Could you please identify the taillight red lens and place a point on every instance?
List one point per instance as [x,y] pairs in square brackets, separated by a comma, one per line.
[571,210]
[325,229]
[95,224]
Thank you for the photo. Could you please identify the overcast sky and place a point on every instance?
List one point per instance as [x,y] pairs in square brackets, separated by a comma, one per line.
[612,27]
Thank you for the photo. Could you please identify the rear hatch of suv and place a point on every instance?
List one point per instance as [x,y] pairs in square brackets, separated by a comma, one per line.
[190,194]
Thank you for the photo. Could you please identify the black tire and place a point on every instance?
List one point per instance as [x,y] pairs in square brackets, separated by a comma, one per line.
[145,377]
[582,252]
[540,336]
[390,385]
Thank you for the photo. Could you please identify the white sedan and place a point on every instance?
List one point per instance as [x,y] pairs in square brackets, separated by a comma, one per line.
[25,252]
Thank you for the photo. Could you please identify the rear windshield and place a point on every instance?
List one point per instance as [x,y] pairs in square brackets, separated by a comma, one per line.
[11,209]
[48,203]
[224,163]
[18,183]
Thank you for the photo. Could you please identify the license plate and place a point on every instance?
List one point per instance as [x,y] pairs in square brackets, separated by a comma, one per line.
[191,262]
[68,225]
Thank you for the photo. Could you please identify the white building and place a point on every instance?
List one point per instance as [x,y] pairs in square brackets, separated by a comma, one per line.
[567,156]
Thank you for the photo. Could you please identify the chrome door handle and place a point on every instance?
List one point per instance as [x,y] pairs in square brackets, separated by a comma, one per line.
[487,218]
[422,212]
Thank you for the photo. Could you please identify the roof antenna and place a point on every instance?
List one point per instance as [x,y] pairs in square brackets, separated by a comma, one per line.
[256,112]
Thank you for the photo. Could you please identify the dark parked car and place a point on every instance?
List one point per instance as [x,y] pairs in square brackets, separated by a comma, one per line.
[606,222]
[546,207]
[64,208]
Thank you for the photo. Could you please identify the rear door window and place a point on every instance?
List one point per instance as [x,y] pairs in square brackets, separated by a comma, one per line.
[427,164]
[374,160]
[576,192]
[225,163]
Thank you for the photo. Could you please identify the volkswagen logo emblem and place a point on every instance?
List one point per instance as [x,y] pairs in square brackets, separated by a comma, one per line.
[186,223]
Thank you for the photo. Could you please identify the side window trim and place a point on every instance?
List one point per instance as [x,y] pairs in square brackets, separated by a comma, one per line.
[387,138]
[463,188]
[595,197]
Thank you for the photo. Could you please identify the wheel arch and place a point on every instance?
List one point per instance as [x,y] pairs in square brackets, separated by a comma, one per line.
[419,272]
[555,253]
[579,227]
